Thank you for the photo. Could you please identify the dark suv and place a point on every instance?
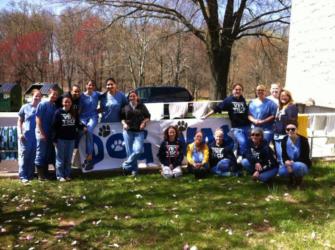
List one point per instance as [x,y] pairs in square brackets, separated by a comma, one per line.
[165,94]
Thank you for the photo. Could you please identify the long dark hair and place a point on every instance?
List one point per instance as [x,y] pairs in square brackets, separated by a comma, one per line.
[166,132]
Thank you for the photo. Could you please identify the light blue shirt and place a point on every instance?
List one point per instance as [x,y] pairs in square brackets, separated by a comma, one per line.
[45,111]
[293,149]
[111,106]
[261,110]
[27,114]
[88,105]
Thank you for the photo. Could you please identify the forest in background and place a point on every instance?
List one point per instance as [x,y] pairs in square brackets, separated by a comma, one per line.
[81,44]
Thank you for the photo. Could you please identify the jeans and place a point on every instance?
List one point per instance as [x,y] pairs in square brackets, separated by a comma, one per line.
[300,169]
[240,136]
[134,146]
[277,142]
[64,151]
[222,168]
[90,124]
[27,153]
[264,176]
[268,135]
[45,153]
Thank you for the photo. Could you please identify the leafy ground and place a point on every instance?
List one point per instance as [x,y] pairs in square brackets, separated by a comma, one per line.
[149,212]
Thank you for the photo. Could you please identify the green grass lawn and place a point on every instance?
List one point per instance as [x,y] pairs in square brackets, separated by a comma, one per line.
[149,212]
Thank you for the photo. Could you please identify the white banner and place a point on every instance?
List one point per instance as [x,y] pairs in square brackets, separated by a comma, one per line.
[109,150]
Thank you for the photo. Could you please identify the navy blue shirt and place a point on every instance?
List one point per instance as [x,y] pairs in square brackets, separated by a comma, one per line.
[65,125]
[237,110]
[262,154]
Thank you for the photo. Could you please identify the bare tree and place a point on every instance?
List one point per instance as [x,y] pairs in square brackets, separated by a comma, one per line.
[217,25]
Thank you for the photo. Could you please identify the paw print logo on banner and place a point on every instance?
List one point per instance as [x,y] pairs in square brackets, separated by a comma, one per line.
[104,131]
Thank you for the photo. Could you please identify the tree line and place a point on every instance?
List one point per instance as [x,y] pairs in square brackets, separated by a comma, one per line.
[138,48]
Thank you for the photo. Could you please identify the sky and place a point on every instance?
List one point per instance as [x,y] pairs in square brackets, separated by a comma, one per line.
[6,4]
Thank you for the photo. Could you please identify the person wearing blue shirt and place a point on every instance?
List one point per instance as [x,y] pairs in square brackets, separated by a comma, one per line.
[259,160]
[287,112]
[111,102]
[262,112]
[295,154]
[27,140]
[88,105]
[45,152]
[237,109]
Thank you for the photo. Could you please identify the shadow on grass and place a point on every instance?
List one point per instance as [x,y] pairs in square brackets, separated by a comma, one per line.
[149,210]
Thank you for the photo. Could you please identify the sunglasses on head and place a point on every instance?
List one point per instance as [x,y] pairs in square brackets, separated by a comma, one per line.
[290,129]
[255,134]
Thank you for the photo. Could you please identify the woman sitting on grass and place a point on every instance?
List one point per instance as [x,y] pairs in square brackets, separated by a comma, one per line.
[222,159]
[259,160]
[198,156]
[171,154]
[295,153]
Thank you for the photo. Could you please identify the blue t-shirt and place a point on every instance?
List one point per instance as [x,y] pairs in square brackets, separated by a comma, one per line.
[27,114]
[261,110]
[111,106]
[45,111]
[88,105]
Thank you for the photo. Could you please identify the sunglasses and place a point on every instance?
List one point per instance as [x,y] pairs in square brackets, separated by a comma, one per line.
[290,129]
[257,135]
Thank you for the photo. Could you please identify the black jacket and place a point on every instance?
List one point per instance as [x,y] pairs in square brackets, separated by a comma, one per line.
[262,154]
[171,153]
[134,117]
[65,126]
[304,151]
[217,153]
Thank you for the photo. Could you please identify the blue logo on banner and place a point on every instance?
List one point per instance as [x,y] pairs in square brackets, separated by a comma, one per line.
[116,149]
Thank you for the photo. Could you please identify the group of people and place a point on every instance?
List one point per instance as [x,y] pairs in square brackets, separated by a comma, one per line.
[52,129]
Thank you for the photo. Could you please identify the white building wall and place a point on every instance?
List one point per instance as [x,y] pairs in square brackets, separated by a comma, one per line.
[311,56]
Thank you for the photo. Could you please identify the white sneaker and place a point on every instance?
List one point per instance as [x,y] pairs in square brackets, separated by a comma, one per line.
[61,179]
[67,178]
[239,159]
[24,180]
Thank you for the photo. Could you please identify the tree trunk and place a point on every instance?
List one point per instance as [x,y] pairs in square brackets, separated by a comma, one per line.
[219,62]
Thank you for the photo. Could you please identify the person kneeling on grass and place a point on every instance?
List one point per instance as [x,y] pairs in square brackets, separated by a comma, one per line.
[197,156]
[65,128]
[259,160]
[171,154]
[222,159]
[295,154]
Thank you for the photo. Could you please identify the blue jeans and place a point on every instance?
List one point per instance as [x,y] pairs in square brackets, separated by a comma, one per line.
[268,135]
[64,151]
[45,153]
[26,158]
[222,168]
[90,124]
[240,136]
[300,169]
[264,176]
[134,146]
[277,143]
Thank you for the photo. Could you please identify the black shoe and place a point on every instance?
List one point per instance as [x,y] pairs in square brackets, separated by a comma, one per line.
[89,165]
